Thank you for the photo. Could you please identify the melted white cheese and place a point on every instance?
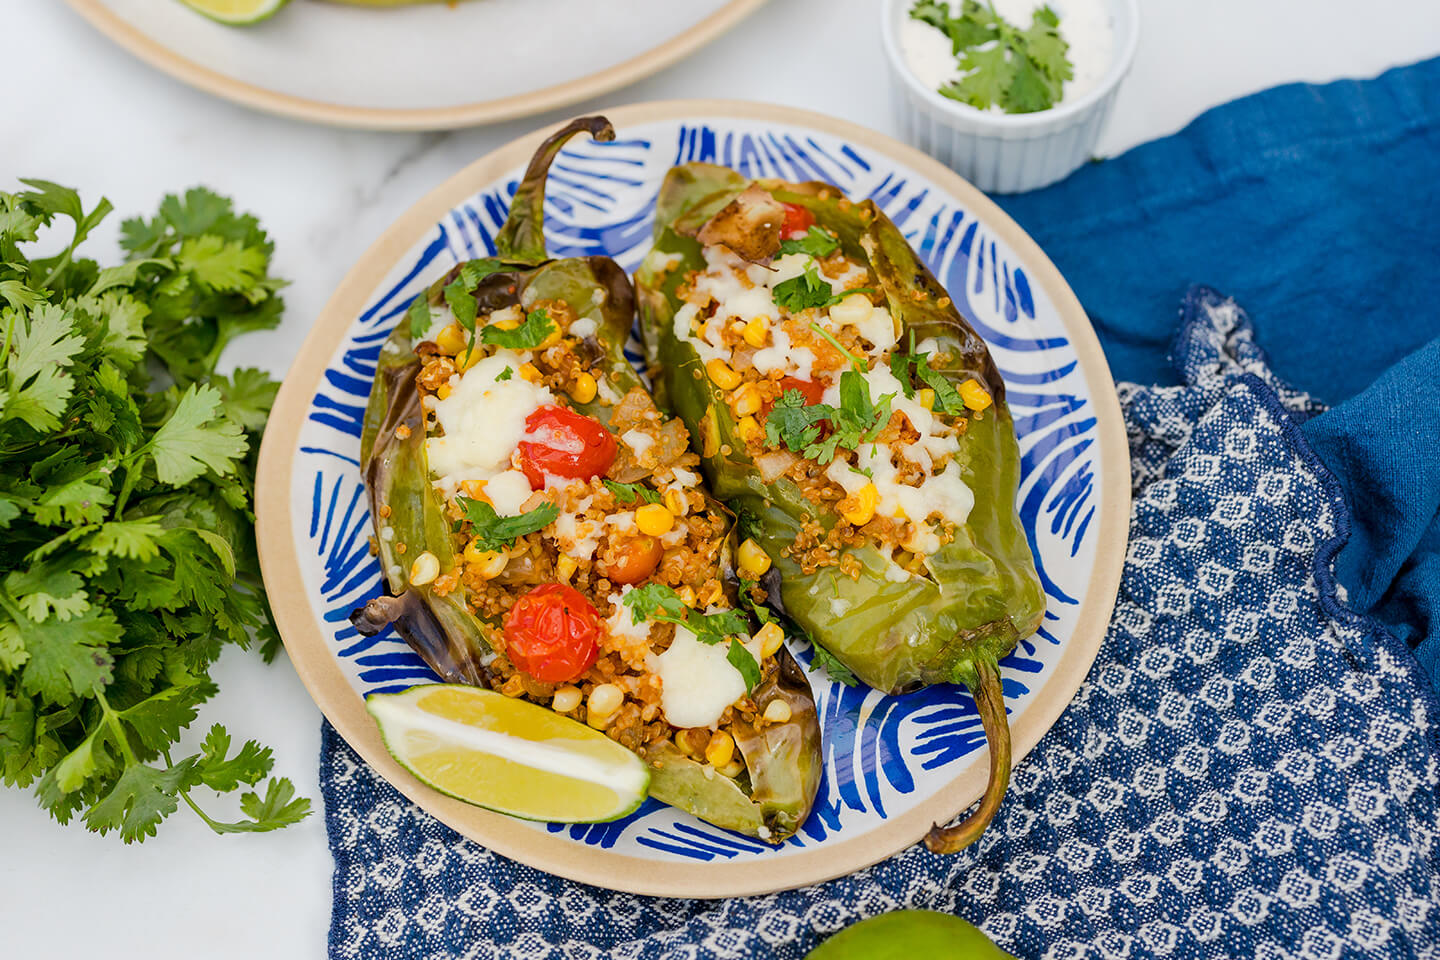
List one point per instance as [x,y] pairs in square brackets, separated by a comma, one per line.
[483,419]
[508,492]
[697,683]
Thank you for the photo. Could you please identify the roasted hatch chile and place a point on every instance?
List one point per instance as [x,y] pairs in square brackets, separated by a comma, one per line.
[898,620]
[769,792]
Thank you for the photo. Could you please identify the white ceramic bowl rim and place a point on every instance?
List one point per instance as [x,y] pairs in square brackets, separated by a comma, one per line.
[1043,118]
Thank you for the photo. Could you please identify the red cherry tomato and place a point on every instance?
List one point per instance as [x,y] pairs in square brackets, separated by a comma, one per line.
[813,392]
[567,444]
[798,221]
[551,633]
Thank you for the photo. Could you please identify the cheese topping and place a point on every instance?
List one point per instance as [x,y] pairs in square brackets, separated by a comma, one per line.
[697,683]
[508,492]
[483,419]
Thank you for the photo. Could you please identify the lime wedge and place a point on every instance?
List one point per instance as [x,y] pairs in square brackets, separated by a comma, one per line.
[508,755]
[236,12]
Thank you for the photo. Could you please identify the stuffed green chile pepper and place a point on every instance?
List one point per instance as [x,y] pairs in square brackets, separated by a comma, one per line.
[544,530]
[856,424]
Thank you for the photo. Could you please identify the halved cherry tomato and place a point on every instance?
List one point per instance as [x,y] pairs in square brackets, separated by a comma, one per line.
[551,633]
[567,444]
[631,561]
[814,392]
[798,220]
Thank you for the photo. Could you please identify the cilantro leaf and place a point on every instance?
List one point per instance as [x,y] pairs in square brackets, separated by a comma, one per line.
[196,438]
[224,773]
[1021,71]
[67,659]
[802,292]
[141,797]
[817,242]
[656,601]
[832,666]
[504,375]
[527,336]
[419,316]
[279,808]
[495,532]
[631,492]
[744,661]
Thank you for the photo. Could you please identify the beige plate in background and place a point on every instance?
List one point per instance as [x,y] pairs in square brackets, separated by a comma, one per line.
[427,67]
[311,649]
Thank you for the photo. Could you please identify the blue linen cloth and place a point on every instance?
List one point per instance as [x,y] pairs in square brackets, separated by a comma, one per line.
[1249,771]
[1318,208]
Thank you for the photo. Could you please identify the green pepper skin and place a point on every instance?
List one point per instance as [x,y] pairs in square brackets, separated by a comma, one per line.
[983,594]
[783,761]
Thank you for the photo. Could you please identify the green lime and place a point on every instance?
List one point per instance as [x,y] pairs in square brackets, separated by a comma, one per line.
[909,935]
[509,755]
[236,12]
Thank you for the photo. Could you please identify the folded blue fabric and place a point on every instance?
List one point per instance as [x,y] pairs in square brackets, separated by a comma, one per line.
[1316,207]
[1250,770]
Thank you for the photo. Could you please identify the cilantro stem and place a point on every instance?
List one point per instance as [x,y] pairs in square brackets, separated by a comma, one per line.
[125,488]
[855,361]
[113,719]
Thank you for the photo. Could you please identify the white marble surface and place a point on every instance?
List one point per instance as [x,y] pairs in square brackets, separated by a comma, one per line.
[80,111]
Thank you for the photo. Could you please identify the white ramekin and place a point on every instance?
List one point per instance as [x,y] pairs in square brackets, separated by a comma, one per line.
[1006,152]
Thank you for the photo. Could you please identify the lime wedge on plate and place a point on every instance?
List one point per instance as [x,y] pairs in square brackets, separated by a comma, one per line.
[236,12]
[508,755]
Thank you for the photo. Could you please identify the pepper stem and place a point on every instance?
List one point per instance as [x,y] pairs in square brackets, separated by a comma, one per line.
[990,701]
[523,236]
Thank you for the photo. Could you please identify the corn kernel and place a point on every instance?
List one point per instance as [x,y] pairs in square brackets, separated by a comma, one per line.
[451,340]
[487,564]
[444,392]
[769,637]
[551,338]
[752,559]
[687,595]
[566,699]
[975,396]
[507,319]
[732,769]
[654,519]
[750,430]
[713,593]
[721,374]
[926,398]
[748,402]
[425,568]
[604,700]
[721,749]
[757,332]
[675,503]
[531,372]
[777,711]
[464,361]
[565,568]
[584,388]
[858,509]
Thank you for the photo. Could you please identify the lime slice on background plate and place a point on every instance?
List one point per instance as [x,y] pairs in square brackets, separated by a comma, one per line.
[908,935]
[236,12]
[509,755]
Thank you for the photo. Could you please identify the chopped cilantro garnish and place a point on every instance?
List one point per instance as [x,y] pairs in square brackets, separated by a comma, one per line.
[656,601]
[527,336]
[1021,71]
[809,290]
[859,419]
[630,492]
[495,532]
[419,316]
[504,375]
[947,398]
[817,242]
[832,667]
[744,661]
[855,361]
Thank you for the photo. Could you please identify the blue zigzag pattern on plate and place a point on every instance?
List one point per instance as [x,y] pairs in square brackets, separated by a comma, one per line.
[601,202]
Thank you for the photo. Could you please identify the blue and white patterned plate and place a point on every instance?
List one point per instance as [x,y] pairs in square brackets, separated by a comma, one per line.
[893,765]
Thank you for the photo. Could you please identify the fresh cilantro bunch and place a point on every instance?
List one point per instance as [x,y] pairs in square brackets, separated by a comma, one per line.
[1021,71]
[126,484]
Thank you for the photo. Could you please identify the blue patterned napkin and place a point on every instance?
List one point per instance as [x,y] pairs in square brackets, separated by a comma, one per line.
[1249,771]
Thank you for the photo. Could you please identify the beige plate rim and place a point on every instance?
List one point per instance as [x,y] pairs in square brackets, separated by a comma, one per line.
[554,853]
[162,58]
